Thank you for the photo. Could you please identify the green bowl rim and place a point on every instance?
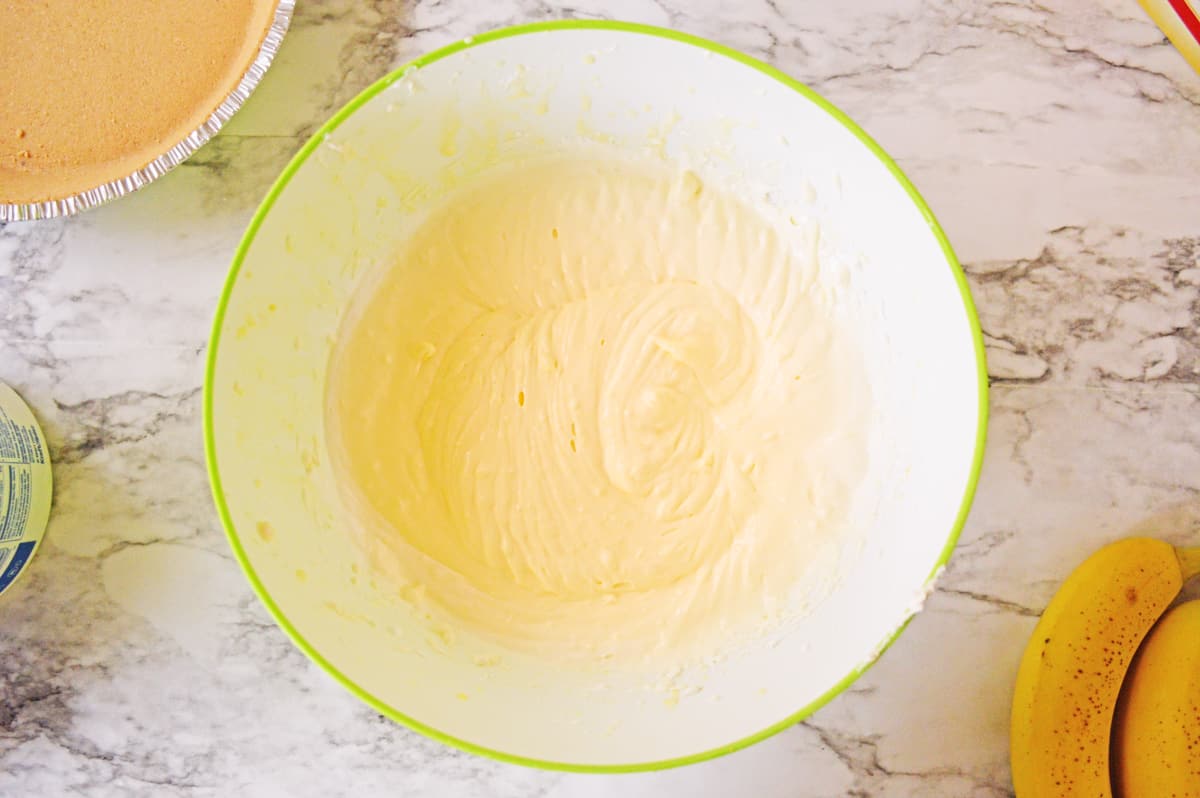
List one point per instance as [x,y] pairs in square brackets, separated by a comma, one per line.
[520,30]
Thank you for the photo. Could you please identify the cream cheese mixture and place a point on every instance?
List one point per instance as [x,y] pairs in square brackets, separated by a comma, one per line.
[600,410]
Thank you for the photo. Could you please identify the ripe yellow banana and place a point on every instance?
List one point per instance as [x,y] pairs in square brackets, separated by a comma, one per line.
[1072,670]
[1156,744]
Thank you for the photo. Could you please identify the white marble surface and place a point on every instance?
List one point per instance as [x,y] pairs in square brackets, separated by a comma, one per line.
[1058,141]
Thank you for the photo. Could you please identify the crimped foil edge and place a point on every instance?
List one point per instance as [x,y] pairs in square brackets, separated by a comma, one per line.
[50,209]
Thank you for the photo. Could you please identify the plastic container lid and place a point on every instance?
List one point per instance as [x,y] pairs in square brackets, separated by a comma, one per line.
[26,486]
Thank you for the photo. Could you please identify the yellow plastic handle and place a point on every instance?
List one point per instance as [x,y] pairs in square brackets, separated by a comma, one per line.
[1180,20]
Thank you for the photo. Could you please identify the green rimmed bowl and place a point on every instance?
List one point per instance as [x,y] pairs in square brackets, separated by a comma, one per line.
[334,217]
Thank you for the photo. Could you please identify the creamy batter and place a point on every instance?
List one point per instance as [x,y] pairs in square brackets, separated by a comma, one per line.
[599,410]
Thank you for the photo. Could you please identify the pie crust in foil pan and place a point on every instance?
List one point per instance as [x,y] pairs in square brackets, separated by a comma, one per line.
[180,152]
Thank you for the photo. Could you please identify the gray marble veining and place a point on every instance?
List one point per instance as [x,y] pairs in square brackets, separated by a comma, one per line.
[1059,144]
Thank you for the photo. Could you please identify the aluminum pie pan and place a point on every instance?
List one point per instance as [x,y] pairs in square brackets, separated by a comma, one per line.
[177,154]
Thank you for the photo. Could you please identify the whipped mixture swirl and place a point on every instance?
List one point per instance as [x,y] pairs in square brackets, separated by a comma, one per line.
[599,410]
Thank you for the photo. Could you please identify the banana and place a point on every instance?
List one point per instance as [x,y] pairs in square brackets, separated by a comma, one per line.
[1070,676]
[1156,744]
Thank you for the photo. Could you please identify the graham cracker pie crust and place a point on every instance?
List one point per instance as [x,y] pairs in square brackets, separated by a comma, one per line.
[94,91]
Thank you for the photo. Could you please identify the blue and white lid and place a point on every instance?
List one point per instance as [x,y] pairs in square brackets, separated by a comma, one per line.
[26,486]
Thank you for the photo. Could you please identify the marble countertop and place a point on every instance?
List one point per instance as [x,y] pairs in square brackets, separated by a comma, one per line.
[1059,144]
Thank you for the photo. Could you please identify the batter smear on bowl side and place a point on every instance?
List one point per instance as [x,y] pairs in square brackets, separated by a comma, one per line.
[601,411]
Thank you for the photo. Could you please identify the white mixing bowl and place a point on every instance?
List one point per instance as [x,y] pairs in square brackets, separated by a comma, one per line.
[360,184]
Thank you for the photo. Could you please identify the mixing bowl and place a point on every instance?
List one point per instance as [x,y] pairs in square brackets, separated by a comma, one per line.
[334,218]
